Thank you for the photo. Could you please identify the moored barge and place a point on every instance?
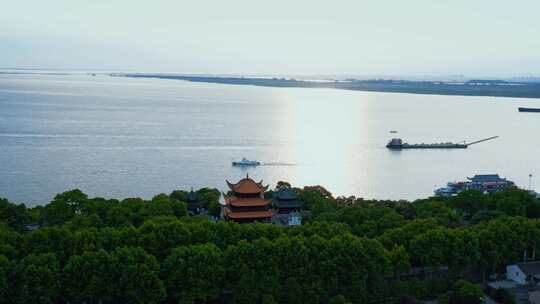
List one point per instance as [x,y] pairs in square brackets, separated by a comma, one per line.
[535,110]
[398,144]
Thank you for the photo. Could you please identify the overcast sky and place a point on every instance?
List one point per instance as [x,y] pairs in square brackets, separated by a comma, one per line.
[361,37]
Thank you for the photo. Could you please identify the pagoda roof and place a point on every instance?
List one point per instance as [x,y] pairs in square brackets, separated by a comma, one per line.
[248,215]
[192,205]
[287,198]
[192,196]
[484,178]
[286,194]
[246,202]
[288,203]
[247,186]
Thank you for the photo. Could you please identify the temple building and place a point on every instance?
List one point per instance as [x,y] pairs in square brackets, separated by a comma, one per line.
[246,203]
[288,206]
[287,201]
[194,205]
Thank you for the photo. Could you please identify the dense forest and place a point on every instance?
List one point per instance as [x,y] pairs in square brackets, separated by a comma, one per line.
[78,249]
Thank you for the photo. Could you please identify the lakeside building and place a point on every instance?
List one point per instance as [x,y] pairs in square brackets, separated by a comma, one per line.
[482,182]
[524,273]
[288,207]
[194,205]
[246,203]
[489,179]
[287,201]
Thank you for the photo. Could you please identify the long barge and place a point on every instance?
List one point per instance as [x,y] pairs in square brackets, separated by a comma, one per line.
[398,144]
[535,110]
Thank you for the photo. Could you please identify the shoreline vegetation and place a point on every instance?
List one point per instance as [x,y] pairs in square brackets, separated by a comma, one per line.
[473,87]
[78,249]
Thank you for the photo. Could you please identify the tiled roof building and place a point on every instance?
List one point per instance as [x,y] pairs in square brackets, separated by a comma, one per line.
[246,203]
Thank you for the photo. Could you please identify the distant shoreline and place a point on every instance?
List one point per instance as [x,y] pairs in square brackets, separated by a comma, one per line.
[490,88]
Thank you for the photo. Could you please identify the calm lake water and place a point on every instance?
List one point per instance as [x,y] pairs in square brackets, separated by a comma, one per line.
[122,137]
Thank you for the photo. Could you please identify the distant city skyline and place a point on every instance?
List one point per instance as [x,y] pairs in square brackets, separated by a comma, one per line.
[418,38]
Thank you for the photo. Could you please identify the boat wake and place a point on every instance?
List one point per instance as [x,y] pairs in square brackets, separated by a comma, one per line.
[278,164]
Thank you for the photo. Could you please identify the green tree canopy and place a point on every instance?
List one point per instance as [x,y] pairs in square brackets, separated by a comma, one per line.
[194,273]
[38,278]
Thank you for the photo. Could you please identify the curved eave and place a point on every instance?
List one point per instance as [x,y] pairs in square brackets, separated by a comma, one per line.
[248,215]
[237,188]
[231,186]
[295,204]
[254,202]
[285,194]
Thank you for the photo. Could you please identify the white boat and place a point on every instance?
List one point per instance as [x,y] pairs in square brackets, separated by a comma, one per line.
[245,162]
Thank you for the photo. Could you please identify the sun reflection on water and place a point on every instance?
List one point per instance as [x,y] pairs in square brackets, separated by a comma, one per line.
[323,131]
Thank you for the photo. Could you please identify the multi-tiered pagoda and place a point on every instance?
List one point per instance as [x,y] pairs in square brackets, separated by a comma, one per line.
[246,203]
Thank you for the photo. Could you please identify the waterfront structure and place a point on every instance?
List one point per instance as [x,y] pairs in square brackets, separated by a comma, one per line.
[483,182]
[246,203]
[487,179]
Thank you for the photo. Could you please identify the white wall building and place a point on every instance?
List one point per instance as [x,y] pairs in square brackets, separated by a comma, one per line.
[523,273]
[514,273]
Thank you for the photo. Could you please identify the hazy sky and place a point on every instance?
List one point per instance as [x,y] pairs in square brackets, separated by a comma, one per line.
[431,37]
